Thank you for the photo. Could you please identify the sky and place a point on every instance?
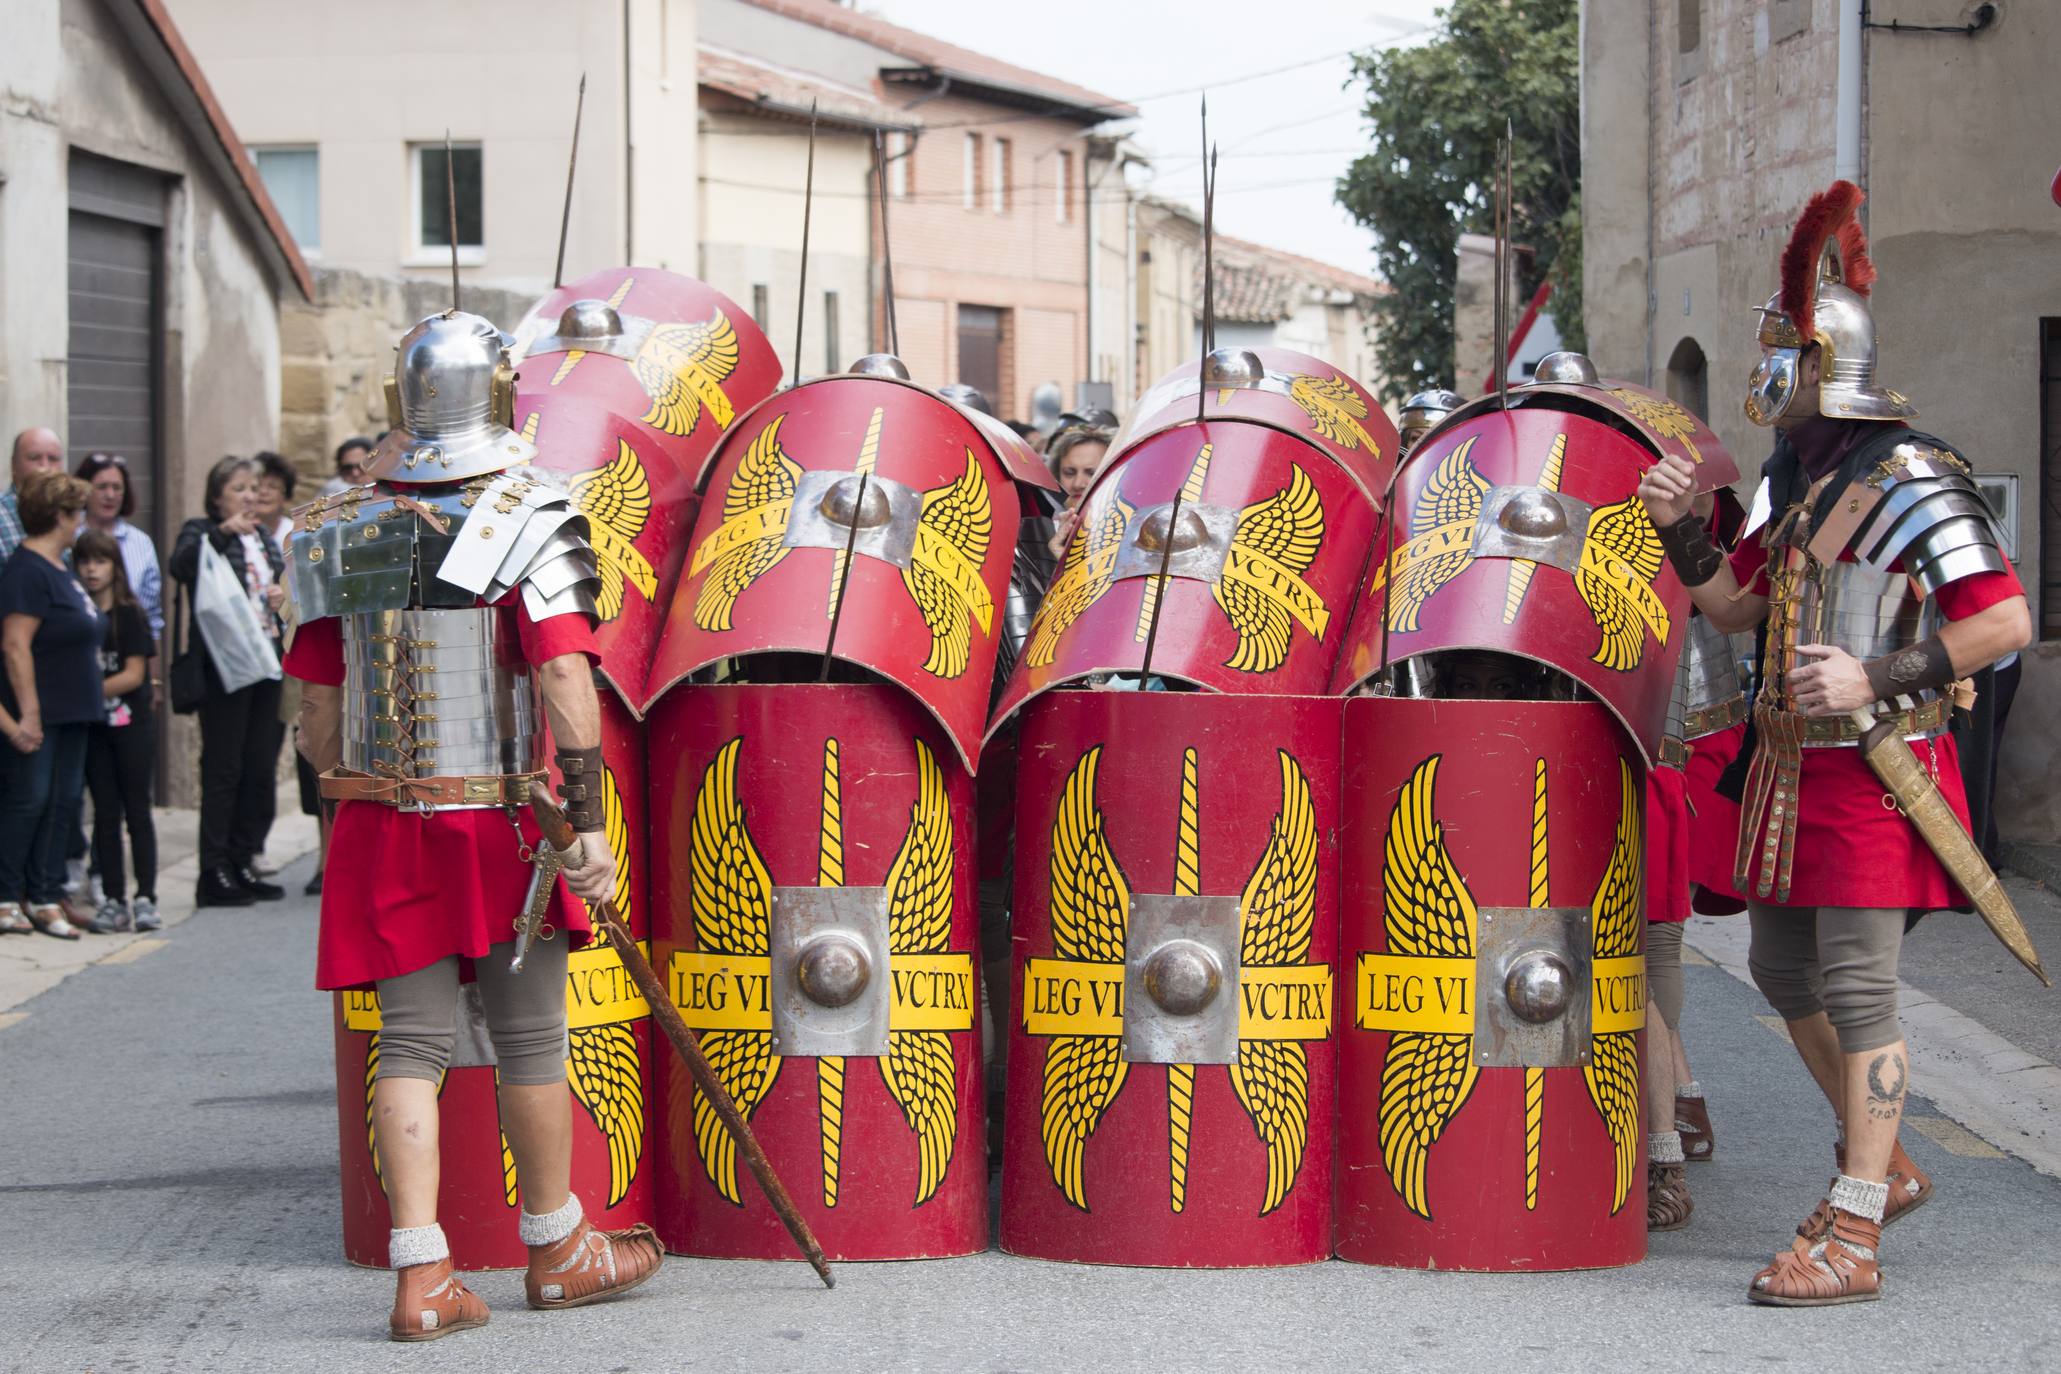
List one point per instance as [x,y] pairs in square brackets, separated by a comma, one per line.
[1284,136]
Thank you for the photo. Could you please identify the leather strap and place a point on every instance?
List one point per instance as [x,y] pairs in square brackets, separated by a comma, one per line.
[1710,719]
[507,789]
[1674,753]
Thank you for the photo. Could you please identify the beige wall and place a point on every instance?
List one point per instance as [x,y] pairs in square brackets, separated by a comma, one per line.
[1166,292]
[363,82]
[752,237]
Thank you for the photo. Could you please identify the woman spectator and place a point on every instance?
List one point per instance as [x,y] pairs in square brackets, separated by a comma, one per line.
[108,510]
[50,634]
[121,750]
[351,456]
[1074,455]
[240,731]
[276,481]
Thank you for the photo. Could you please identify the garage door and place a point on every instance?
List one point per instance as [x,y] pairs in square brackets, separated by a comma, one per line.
[116,217]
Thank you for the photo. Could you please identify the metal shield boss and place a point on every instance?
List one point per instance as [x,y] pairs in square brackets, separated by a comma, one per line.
[1171,1054]
[1520,532]
[608,1067]
[1492,1003]
[813,889]
[860,519]
[1229,549]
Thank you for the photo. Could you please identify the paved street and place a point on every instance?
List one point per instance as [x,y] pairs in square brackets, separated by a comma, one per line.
[169,1195]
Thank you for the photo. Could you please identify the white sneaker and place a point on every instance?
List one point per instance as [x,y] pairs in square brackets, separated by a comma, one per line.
[143,911]
[111,918]
[74,876]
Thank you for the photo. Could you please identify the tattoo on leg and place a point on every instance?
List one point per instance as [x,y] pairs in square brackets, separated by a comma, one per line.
[1886,1076]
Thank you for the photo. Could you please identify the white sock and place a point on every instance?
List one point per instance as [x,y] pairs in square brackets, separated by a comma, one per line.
[1664,1147]
[550,1227]
[1690,1089]
[1860,1197]
[411,1245]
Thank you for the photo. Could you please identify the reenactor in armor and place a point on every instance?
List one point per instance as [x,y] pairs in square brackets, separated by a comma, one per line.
[447,614]
[1874,570]
[1422,411]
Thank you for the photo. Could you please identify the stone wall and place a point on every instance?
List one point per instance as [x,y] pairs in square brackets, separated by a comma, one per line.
[338,349]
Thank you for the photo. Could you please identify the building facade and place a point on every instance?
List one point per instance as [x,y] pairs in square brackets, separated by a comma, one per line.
[1706,125]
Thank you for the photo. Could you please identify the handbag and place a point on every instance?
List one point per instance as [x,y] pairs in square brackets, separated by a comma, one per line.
[226,621]
[188,681]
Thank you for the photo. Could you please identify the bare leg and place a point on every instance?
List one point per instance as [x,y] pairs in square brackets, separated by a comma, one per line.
[1875,1083]
[538,1121]
[404,1123]
[1683,1074]
[1818,1044]
[1660,1073]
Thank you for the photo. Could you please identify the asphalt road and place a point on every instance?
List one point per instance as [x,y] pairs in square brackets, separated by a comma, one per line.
[168,1198]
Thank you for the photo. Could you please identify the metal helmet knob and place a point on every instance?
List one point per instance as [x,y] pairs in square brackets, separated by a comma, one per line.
[833,970]
[590,319]
[880,365]
[1183,977]
[1540,987]
[452,393]
[1235,367]
[971,397]
[1568,368]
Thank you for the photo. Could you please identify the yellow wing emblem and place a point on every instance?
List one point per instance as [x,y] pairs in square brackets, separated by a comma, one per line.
[1441,532]
[1286,530]
[1620,558]
[1279,911]
[681,368]
[616,500]
[1618,920]
[1427,1076]
[732,896]
[766,477]
[918,1068]
[1091,901]
[1084,576]
[944,573]
[1335,409]
[609,1082]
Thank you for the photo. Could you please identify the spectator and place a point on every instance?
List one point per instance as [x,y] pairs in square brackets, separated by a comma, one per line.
[108,510]
[240,731]
[350,465]
[35,450]
[1074,455]
[121,749]
[50,634]
[276,481]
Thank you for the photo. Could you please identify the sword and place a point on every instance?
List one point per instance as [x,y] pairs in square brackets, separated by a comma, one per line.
[546,864]
[1917,796]
[560,839]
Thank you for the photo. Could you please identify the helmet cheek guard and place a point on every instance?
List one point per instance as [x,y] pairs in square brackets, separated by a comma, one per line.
[1772,388]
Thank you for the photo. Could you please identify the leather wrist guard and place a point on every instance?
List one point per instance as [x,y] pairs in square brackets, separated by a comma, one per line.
[582,788]
[1925,666]
[1688,546]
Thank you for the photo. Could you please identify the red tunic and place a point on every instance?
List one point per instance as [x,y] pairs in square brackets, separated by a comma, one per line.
[1853,848]
[1667,844]
[1713,821]
[404,889]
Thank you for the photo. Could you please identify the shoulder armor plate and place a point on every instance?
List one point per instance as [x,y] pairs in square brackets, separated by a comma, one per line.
[367,549]
[523,528]
[1931,517]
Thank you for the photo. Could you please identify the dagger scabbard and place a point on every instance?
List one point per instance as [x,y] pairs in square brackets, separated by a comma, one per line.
[558,833]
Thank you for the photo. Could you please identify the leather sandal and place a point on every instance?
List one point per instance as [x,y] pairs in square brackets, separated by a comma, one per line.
[1692,1119]
[1668,1204]
[15,921]
[430,1302]
[1841,1268]
[1909,1189]
[51,920]
[591,1265]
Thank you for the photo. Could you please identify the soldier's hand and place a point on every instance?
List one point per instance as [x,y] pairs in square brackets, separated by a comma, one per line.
[1669,489]
[1832,683]
[594,880]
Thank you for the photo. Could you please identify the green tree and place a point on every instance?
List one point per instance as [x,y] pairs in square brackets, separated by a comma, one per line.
[1435,114]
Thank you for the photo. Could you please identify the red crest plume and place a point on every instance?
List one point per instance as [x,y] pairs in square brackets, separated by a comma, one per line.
[1833,213]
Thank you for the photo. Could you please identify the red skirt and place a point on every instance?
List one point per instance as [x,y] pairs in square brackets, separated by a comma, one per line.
[403,890]
[1713,822]
[1667,845]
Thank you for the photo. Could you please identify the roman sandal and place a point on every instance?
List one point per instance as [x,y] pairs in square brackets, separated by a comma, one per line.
[1668,1203]
[1692,1119]
[590,1265]
[1841,1268]
[1909,1189]
[431,1302]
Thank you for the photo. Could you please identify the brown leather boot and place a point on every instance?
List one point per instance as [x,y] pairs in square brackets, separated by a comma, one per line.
[431,1302]
[1909,1189]
[590,1265]
[1841,1268]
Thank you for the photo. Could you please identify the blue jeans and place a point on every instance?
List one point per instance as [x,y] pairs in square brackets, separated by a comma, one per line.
[39,802]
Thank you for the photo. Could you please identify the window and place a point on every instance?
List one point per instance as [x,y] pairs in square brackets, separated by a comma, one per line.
[830,358]
[901,150]
[1062,186]
[972,177]
[433,200]
[1688,378]
[980,351]
[290,179]
[1688,40]
[998,177]
[759,305]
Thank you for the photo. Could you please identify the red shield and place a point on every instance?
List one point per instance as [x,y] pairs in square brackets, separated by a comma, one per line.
[862,520]
[1302,395]
[1664,424]
[1472,1135]
[1519,531]
[1127,803]
[1270,545]
[607,1067]
[763,791]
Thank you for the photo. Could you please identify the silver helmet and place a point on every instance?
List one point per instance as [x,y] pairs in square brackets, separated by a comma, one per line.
[880,365]
[451,402]
[971,397]
[1568,368]
[1424,410]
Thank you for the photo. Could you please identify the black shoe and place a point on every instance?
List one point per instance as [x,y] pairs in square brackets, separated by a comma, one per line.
[314,887]
[247,878]
[218,887]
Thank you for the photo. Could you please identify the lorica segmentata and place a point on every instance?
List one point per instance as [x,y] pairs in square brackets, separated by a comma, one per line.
[438,693]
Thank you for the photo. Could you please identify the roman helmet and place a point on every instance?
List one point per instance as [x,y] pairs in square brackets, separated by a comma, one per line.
[450,401]
[1424,410]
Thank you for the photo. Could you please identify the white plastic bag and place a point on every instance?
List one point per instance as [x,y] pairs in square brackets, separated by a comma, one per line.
[237,643]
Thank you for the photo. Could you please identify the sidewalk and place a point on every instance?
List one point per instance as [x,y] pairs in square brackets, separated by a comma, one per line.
[33,964]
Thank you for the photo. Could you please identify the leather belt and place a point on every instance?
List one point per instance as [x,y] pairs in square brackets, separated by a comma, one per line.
[427,794]
[1709,720]
[1674,753]
[1824,732]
